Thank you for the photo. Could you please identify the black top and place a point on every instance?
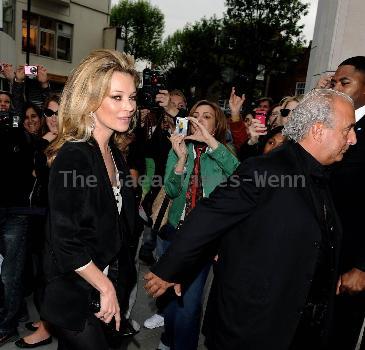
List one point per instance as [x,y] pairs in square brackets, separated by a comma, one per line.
[83,224]
[269,235]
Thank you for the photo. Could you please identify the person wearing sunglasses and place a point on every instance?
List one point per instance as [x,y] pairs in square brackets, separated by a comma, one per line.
[289,104]
[49,129]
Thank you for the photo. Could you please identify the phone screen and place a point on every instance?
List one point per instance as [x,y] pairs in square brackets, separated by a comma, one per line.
[181,126]
[261,116]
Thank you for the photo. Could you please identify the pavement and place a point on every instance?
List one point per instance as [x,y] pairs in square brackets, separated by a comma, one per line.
[146,339]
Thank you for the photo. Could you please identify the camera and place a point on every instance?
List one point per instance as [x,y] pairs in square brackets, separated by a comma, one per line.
[9,121]
[31,70]
[153,81]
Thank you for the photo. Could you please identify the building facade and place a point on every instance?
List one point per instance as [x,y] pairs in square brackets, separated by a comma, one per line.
[339,33]
[62,33]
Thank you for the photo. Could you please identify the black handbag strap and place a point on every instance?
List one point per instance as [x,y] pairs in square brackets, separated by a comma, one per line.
[161,213]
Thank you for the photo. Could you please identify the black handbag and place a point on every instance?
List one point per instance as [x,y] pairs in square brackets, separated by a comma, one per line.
[113,337]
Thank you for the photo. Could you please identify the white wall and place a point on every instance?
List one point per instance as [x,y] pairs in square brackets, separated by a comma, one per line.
[7,48]
[339,33]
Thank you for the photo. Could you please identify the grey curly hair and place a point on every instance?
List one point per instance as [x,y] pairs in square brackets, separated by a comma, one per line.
[316,106]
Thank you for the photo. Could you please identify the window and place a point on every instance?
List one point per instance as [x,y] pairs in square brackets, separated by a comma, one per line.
[8,13]
[299,88]
[48,37]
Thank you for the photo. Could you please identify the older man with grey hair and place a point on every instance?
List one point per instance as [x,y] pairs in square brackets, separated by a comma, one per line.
[277,238]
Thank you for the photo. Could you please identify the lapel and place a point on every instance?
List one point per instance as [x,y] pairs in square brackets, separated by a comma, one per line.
[307,190]
[128,207]
[104,177]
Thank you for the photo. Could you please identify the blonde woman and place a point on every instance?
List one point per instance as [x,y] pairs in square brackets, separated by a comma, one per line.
[90,213]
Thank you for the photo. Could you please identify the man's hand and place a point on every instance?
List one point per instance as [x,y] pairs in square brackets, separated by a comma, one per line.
[156,286]
[235,104]
[324,81]
[352,281]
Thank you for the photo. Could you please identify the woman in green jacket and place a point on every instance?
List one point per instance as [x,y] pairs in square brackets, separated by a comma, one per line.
[196,165]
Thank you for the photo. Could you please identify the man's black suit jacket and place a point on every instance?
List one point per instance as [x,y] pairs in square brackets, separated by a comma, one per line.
[348,188]
[83,224]
[268,239]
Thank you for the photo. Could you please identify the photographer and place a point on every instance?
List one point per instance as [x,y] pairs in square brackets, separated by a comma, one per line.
[16,181]
[157,149]
[35,92]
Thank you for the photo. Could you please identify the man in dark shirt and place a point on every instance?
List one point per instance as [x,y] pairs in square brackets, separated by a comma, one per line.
[277,235]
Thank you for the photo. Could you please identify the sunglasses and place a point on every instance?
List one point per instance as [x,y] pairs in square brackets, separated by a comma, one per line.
[49,113]
[285,112]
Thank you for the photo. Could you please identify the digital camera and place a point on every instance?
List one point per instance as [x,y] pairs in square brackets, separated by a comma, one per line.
[31,70]
[153,81]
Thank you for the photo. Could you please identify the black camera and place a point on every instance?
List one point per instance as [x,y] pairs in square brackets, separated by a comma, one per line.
[8,120]
[153,81]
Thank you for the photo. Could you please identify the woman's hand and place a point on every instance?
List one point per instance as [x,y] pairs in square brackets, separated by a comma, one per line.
[255,130]
[50,136]
[201,134]
[19,74]
[179,146]
[42,76]
[109,306]
[235,104]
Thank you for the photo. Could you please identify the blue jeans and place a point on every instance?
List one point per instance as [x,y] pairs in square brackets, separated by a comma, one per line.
[182,315]
[13,230]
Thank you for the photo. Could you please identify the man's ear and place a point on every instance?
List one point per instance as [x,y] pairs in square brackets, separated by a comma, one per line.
[317,132]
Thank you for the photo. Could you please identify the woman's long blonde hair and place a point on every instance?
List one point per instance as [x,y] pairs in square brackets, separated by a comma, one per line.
[85,89]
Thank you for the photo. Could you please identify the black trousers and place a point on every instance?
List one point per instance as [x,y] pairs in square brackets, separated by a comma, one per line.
[90,338]
[349,318]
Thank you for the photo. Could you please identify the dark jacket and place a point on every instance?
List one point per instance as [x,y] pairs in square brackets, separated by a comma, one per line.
[348,188]
[83,224]
[269,239]
[17,149]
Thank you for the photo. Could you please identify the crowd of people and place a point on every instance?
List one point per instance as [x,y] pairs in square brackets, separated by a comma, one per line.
[265,198]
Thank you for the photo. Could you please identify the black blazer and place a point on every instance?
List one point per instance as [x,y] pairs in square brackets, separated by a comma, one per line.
[268,247]
[83,224]
[348,188]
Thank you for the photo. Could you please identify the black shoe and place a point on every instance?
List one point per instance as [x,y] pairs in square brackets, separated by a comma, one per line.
[11,336]
[22,344]
[29,326]
[147,259]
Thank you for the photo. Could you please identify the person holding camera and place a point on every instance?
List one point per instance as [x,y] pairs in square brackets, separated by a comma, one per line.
[90,215]
[196,164]
[259,128]
[36,92]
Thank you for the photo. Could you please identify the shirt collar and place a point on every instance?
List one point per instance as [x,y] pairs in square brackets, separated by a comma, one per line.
[359,113]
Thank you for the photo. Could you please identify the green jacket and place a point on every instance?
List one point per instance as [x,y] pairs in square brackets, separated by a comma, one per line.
[215,167]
